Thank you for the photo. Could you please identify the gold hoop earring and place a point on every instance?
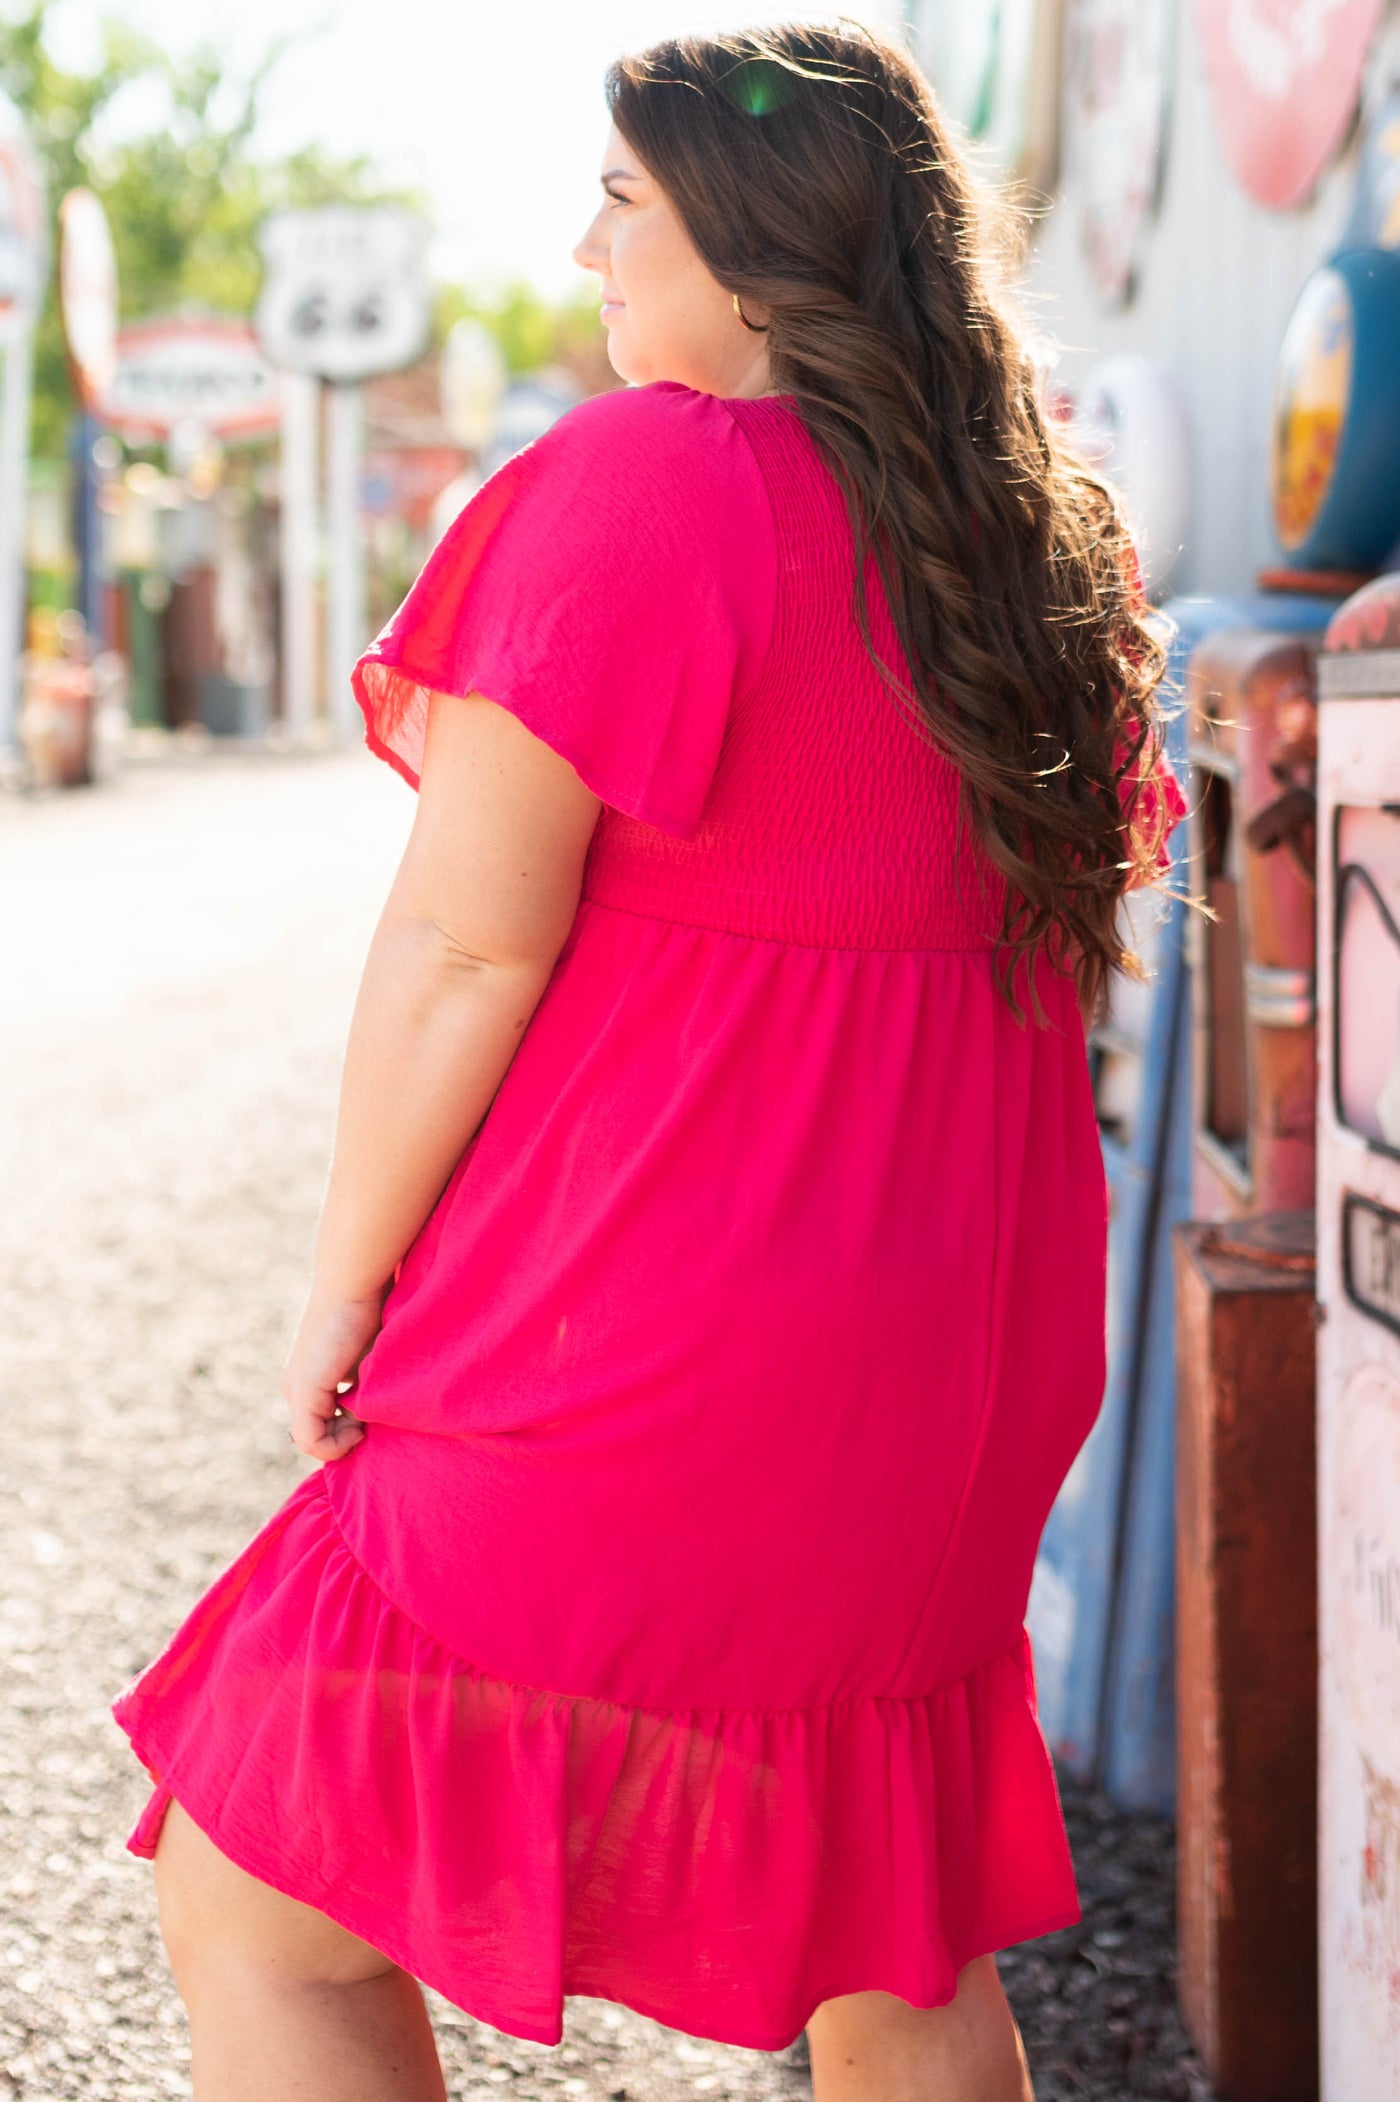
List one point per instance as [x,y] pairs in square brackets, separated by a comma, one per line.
[760,328]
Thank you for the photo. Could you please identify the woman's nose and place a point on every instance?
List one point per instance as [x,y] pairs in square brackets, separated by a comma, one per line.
[590,252]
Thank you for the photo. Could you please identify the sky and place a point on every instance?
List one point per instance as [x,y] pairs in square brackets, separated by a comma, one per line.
[494,108]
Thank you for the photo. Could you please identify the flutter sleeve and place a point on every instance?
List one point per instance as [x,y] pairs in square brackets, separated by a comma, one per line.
[612,585]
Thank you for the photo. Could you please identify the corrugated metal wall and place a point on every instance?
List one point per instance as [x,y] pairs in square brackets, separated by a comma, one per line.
[1218,279]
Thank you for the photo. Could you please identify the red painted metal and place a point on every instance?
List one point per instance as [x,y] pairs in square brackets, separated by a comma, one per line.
[1247,1654]
[1370,619]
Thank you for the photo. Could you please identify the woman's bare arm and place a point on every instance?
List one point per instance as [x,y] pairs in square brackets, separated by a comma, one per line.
[470,932]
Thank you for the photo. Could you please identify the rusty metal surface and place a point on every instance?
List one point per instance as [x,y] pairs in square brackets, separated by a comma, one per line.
[1247,1656]
[1278,1240]
[1321,583]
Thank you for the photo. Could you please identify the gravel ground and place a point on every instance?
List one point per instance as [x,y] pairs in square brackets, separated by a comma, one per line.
[179,967]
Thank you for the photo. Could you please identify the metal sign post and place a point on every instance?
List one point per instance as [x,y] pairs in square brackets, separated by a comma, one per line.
[300,415]
[23,267]
[345,296]
[346,635]
[14,461]
[87,280]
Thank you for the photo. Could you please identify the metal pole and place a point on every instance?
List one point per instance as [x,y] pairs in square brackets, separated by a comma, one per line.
[87,521]
[14,459]
[346,636]
[300,395]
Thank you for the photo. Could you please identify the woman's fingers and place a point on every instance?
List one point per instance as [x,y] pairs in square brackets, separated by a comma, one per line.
[318,1379]
[317,1429]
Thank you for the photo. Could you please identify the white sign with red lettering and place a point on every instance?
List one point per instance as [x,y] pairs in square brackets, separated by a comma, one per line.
[192,367]
[1118,69]
[23,228]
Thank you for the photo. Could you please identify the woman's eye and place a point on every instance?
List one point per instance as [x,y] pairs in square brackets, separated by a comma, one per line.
[618,199]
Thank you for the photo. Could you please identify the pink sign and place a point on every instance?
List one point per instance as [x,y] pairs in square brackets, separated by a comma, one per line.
[1285,76]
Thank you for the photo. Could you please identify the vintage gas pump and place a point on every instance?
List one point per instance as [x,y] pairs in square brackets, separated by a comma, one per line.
[1245,1480]
[1253,749]
[1358,1354]
[1103,1603]
[1243,1421]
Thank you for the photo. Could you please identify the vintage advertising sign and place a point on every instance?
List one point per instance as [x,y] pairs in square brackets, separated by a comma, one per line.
[1358,1337]
[994,66]
[1313,388]
[23,227]
[1131,421]
[472,378]
[87,286]
[1284,76]
[345,291]
[1118,67]
[192,368]
[1334,460]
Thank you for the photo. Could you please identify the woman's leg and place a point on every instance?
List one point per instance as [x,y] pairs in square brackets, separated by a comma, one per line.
[282,2002]
[873,2047]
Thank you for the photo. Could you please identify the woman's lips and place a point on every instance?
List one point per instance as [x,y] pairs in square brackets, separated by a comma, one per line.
[609,308]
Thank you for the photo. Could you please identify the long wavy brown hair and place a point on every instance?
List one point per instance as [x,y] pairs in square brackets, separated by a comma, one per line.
[814,173]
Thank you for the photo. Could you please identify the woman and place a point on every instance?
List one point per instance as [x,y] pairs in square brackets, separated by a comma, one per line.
[708,1299]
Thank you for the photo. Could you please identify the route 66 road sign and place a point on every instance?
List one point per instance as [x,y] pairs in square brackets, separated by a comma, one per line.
[345,290]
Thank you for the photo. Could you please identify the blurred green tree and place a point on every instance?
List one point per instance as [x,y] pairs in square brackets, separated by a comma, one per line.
[184,193]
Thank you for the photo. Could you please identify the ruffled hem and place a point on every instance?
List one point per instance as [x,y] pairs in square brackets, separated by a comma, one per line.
[721,1872]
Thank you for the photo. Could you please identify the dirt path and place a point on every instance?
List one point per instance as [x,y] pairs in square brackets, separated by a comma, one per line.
[176,979]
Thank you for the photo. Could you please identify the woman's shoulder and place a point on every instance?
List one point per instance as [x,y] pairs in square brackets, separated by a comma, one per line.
[665,409]
[660,434]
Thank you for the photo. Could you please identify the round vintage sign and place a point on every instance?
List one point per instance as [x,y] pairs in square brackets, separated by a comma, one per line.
[1284,76]
[1131,422]
[87,287]
[471,380]
[1334,466]
[205,368]
[23,226]
[1118,64]
[994,67]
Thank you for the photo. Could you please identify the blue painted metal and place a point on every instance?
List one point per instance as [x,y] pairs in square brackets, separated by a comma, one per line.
[1102,1600]
[1138,1724]
[1139,1712]
[1075,1584]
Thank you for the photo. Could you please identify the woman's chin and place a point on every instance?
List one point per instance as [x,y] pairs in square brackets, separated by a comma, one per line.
[624,365]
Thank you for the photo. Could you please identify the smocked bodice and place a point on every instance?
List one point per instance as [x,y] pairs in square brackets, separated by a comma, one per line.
[832,818]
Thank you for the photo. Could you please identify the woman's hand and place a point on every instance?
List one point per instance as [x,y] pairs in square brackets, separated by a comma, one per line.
[333,1336]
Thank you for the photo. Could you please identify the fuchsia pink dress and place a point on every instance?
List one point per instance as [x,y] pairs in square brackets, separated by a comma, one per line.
[664,1638]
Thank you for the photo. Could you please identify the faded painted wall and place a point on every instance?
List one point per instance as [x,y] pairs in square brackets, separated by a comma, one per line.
[1217,282]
